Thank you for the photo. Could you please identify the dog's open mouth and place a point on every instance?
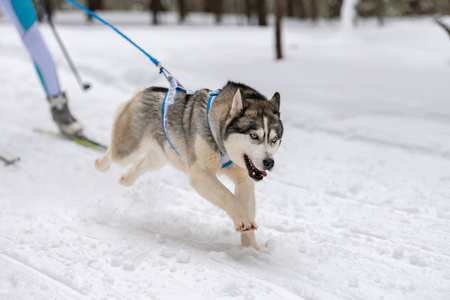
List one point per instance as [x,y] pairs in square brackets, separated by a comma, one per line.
[253,172]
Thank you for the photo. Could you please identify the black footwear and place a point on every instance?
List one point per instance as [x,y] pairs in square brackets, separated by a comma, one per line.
[62,116]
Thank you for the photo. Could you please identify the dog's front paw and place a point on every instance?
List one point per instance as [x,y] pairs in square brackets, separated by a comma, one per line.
[245,225]
[248,240]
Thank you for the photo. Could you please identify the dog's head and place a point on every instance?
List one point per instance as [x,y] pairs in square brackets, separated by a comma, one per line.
[253,132]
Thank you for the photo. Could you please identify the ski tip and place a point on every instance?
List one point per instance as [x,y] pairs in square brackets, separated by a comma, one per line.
[12,161]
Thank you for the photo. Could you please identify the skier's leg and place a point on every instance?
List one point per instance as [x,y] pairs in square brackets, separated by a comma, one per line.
[23,15]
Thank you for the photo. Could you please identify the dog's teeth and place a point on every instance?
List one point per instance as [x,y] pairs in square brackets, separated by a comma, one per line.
[253,173]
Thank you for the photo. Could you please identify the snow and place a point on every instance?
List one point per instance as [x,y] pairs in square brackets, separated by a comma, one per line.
[356,208]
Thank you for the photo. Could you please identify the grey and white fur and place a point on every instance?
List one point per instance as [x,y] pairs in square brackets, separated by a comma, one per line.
[243,124]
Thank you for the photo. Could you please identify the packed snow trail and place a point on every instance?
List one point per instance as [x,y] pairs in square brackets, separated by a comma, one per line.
[356,208]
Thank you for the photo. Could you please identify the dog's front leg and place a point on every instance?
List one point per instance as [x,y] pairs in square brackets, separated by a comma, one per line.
[245,193]
[205,182]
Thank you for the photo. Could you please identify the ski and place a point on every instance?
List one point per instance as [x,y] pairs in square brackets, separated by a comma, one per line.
[9,162]
[80,140]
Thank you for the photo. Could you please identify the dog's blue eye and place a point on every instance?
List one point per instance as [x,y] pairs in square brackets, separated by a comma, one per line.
[254,136]
[274,140]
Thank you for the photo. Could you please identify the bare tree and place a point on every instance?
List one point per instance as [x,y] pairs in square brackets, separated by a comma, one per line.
[415,6]
[379,11]
[301,9]
[262,15]
[290,8]
[249,10]
[218,10]
[182,10]
[334,8]
[94,5]
[156,7]
[44,7]
[314,4]
[278,18]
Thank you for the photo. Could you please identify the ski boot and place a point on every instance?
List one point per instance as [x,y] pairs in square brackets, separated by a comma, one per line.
[62,116]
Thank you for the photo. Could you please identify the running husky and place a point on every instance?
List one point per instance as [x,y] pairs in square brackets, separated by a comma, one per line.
[200,136]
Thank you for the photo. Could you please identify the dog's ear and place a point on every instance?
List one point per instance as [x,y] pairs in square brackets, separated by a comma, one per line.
[275,101]
[238,104]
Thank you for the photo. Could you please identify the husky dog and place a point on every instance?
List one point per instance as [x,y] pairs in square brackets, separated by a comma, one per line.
[240,124]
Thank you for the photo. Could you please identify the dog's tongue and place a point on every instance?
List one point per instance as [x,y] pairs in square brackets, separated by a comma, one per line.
[264,173]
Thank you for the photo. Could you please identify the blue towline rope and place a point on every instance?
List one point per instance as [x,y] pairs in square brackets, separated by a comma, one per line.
[155,61]
[162,70]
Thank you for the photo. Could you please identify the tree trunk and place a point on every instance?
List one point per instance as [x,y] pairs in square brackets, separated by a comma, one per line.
[44,7]
[380,11]
[290,8]
[262,16]
[415,6]
[94,5]
[249,10]
[335,8]
[301,9]
[278,18]
[218,10]
[182,10]
[155,17]
[314,10]
[156,7]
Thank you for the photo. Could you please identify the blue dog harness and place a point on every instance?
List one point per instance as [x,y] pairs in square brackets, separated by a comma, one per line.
[224,160]
[169,99]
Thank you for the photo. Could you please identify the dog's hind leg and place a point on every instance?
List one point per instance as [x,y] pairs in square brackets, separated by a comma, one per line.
[154,159]
[103,163]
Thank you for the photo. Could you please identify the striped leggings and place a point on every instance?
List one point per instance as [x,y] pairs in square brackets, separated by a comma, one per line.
[23,15]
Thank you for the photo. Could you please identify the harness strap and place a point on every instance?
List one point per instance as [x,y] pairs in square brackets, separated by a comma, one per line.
[169,99]
[224,159]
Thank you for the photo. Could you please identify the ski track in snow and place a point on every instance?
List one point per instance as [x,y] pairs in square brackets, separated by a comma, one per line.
[357,207]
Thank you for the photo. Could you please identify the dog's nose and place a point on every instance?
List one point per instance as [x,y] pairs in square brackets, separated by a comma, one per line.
[268,163]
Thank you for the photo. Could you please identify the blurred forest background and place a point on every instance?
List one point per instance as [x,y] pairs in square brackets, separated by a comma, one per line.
[256,11]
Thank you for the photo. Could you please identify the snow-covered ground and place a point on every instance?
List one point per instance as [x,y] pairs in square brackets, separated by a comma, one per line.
[358,206]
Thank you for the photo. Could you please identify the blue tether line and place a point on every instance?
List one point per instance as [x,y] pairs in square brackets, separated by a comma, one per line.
[155,61]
